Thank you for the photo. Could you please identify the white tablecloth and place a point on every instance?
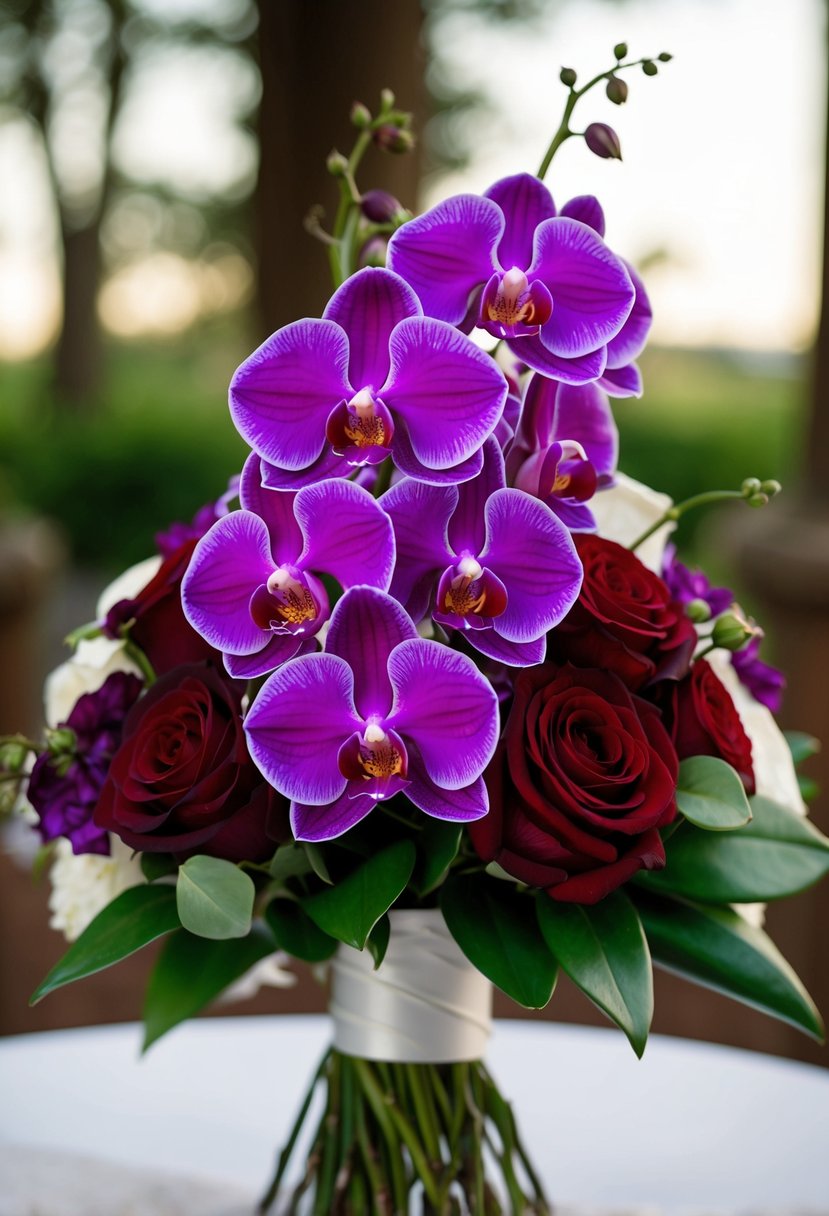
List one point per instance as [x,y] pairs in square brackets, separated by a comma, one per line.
[690,1129]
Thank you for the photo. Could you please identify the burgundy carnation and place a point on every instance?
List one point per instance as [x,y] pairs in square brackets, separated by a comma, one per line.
[624,620]
[583,778]
[182,780]
[706,722]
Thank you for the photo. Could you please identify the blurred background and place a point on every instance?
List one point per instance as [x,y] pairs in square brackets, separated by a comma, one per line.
[157,160]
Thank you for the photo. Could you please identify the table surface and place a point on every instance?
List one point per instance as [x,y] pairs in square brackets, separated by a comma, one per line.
[691,1128]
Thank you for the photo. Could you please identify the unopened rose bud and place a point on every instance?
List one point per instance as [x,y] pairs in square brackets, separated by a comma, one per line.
[731,632]
[664,57]
[603,141]
[337,164]
[379,206]
[770,487]
[373,253]
[390,138]
[620,50]
[649,67]
[751,485]
[699,611]
[617,90]
[568,76]
[360,115]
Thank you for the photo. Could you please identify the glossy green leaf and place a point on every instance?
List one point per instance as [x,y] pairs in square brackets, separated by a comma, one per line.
[801,745]
[215,898]
[437,848]
[192,971]
[157,865]
[316,858]
[604,950]
[710,794]
[289,861]
[136,917]
[296,932]
[351,909]
[715,947]
[777,854]
[496,926]
[378,940]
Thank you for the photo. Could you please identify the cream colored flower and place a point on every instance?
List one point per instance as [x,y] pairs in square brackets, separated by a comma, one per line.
[269,972]
[626,510]
[93,661]
[127,585]
[84,884]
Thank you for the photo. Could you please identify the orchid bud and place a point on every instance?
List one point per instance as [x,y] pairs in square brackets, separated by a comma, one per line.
[390,138]
[379,206]
[699,611]
[12,757]
[567,76]
[617,90]
[336,164]
[751,485]
[386,99]
[603,141]
[360,115]
[758,500]
[770,487]
[731,632]
[373,252]
[664,57]
[649,67]
[620,50]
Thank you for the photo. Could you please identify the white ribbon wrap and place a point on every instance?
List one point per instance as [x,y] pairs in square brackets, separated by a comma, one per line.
[425,1004]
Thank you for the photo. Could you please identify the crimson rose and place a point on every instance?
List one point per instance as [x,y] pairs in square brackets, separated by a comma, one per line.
[583,778]
[624,619]
[706,722]
[182,780]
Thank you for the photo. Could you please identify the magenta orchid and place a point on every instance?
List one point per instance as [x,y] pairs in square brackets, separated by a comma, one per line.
[381,711]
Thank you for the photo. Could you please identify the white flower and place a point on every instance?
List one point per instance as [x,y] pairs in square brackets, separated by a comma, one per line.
[93,661]
[626,510]
[127,585]
[84,884]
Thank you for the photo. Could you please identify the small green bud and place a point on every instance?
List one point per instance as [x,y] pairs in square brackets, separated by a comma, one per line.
[391,138]
[770,487]
[61,741]
[336,164]
[698,611]
[731,631]
[373,252]
[617,90]
[603,141]
[386,99]
[12,757]
[360,115]
[664,57]
[751,485]
[620,50]
[568,76]
[758,500]
[649,67]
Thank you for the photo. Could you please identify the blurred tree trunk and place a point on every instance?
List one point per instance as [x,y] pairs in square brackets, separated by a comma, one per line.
[316,58]
[78,354]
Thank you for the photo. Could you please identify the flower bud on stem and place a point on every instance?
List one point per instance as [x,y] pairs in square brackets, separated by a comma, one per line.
[752,491]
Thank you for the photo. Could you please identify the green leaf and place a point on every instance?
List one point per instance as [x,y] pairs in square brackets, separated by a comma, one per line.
[296,932]
[290,860]
[215,898]
[378,940]
[316,857]
[437,848]
[351,909]
[710,794]
[157,865]
[715,947]
[777,854]
[496,927]
[801,745]
[136,917]
[192,971]
[604,950]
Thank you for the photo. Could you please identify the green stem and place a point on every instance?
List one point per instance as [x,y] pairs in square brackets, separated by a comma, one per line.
[341,254]
[285,1156]
[679,508]
[391,1112]
[140,660]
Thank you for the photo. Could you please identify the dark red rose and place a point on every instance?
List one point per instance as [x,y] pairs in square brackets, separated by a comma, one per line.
[706,722]
[159,626]
[182,781]
[624,620]
[584,776]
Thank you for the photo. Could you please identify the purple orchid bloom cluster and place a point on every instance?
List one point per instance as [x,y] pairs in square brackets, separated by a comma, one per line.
[406,512]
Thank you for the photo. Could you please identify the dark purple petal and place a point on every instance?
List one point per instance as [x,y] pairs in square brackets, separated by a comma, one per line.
[360,430]
[457,806]
[281,396]
[449,393]
[366,625]
[408,463]
[591,289]
[278,649]
[765,683]
[227,566]
[275,507]
[514,654]
[467,529]
[587,209]
[622,381]
[329,464]
[469,596]
[532,553]
[581,370]
[347,534]
[297,724]
[513,307]
[631,338]
[583,414]
[446,707]
[420,516]
[447,252]
[367,307]
[329,821]
[526,202]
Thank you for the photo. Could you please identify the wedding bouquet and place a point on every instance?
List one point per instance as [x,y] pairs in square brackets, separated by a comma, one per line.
[427,693]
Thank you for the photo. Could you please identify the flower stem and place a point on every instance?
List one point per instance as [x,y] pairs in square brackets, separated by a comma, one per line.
[678,510]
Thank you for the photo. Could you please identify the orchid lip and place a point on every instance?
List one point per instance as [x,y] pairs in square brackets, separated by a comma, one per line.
[291,602]
[375,761]
[513,307]
[469,596]
[360,429]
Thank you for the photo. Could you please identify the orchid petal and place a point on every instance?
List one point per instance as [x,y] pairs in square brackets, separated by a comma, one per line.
[367,307]
[329,821]
[420,515]
[406,461]
[275,508]
[532,552]
[457,806]
[296,725]
[449,392]
[446,707]
[282,394]
[467,529]
[447,252]
[526,202]
[329,464]
[622,381]
[631,338]
[591,288]
[580,370]
[279,648]
[587,209]
[514,654]
[347,534]
[583,413]
[366,625]
[228,564]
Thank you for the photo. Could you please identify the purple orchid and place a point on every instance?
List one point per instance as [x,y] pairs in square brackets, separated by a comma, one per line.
[544,281]
[381,711]
[373,378]
[491,562]
[686,585]
[565,448]
[252,588]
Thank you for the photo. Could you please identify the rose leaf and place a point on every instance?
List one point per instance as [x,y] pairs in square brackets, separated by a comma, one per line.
[710,794]
[496,927]
[136,917]
[296,932]
[215,898]
[350,910]
[438,846]
[603,949]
